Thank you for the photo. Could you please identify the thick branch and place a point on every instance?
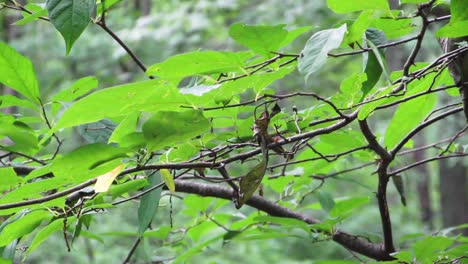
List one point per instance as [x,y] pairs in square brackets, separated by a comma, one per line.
[351,242]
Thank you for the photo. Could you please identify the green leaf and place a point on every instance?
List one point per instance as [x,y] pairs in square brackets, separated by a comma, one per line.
[165,128]
[407,116]
[394,28]
[359,27]
[70,18]
[168,179]
[345,207]
[8,178]
[373,68]
[21,134]
[196,248]
[453,30]
[88,161]
[47,231]
[345,6]
[326,200]
[18,73]
[10,100]
[127,126]
[293,35]
[133,185]
[121,100]
[22,226]
[425,250]
[351,89]
[368,108]
[37,11]
[149,203]
[315,52]
[412,1]
[77,89]
[261,39]
[179,66]
[458,10]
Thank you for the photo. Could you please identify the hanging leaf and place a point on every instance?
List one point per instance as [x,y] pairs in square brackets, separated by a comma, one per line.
[315,52]
[250,182]
[168,179]
[105,181]
[70,18]
[149,203]
[399,185]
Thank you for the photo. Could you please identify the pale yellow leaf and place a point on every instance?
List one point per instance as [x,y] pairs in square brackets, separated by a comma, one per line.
[104,181]
[168,179]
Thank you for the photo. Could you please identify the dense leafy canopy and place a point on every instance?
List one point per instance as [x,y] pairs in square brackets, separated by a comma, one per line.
[213,124]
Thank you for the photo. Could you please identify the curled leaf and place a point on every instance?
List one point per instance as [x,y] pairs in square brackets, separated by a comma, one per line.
[168,179]
[398,182]
[104,181]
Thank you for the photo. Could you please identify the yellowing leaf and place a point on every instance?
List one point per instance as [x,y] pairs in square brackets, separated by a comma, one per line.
[104,181]
[168,180]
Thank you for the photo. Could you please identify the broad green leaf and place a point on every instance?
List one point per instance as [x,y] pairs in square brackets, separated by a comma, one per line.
[458,25]
[315,52]
[293,35]
[358,28]
[177,67]
[326,200]
[394,28]
[97,132]
[37,11]
[426,250]
[458,10]
[345,6]
[104,181]
[149,203]
[87,161]
[368,108]
[127,126]
[373,67]
[33,190]
[453,30]
[10,100]
[46,232]
[284,221]
[351,89]
[261,39]
[161,232]
[180,152]
[341,141]
[345,207]
[407,116]
[77,89]
[18,73]
[168,179]
[70,18]
[24,138]
[105,5]
[8,178]
[165,128]
[121,100]
[22,226]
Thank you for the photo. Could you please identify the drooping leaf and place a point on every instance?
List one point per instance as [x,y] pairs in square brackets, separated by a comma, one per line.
[407,116]
[250,182]
[168,179]
[315,52]
[22,226]
[70,18]
[105,181]
[326,200]
[88,161]
[8,178]
[373,67]
[345,6]
[399,185]
[261,39]
[18,73]
[149,203]
[120,101]
[165,128]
